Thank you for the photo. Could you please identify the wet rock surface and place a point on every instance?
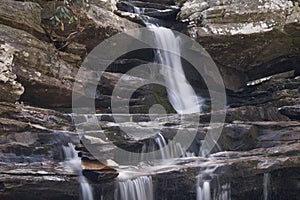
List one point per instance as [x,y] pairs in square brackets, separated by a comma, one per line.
[260,135]
[32,157]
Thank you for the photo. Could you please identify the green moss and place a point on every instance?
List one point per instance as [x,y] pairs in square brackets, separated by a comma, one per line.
[161,97]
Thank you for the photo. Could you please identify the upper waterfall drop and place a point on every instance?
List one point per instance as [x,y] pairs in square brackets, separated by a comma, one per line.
[180,93]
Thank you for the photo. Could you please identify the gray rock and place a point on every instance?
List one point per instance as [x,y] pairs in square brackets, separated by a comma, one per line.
[28,17]
[37,67]
[11,89]
[261,37]
[97,24]
[293,112]
[109,5]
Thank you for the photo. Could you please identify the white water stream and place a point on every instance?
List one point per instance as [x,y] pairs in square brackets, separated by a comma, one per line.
[74,162]
[266,185]
[180,93]
[140,188]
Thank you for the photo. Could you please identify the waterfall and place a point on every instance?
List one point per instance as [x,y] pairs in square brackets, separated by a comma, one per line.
[140,188]
[221,192]
[180,93]
[167,149]
[162,144]
[203,191]
[266,185]
[183,99]
[74,162]
[203,186]
[171,149]
[138,10]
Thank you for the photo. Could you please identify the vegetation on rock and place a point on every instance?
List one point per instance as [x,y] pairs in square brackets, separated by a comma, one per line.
[69,11]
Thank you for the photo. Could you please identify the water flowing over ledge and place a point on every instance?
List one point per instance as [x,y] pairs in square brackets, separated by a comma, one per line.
[74,162]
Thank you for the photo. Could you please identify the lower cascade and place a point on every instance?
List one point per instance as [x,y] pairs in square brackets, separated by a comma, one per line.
[73,161]
[203,187]
[140,188]
[221,192]
[203,191]
[167,149]
[266,185]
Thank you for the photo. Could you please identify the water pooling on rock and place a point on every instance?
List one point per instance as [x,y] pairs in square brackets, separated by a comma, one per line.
[74,162]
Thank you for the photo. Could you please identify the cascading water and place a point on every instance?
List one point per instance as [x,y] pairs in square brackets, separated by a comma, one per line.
[183,99]
[74,162]
[162,144]
[266,185]
[180,93]
[204,192]
[140,188]
[203,184]
[170,149]
[166,150]
[223,192]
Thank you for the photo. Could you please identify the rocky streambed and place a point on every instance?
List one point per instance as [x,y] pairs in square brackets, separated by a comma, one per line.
[256,48]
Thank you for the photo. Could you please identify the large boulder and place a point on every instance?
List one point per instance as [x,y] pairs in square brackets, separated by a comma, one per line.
[277,92]
[44,73]
[48,74]
[109,5]
[22,15]
[11,90]
[36,65]
[91,29]
[247,39]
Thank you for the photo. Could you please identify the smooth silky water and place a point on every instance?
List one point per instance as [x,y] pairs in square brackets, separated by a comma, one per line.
[183,99]
[135,182]
[73,161]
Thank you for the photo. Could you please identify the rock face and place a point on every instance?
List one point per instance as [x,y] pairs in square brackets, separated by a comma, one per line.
[37,69]
[109,5]
[277,92]
[292,112]
[97,25]
[261,37]
[28,18]
[257,153]
[253,168]
[158,10]
[32,157]
[11,90]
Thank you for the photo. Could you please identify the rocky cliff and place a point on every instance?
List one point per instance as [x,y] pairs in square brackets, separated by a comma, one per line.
[256,46]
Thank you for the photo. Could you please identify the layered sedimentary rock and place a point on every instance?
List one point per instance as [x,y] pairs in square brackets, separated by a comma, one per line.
[248,40]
